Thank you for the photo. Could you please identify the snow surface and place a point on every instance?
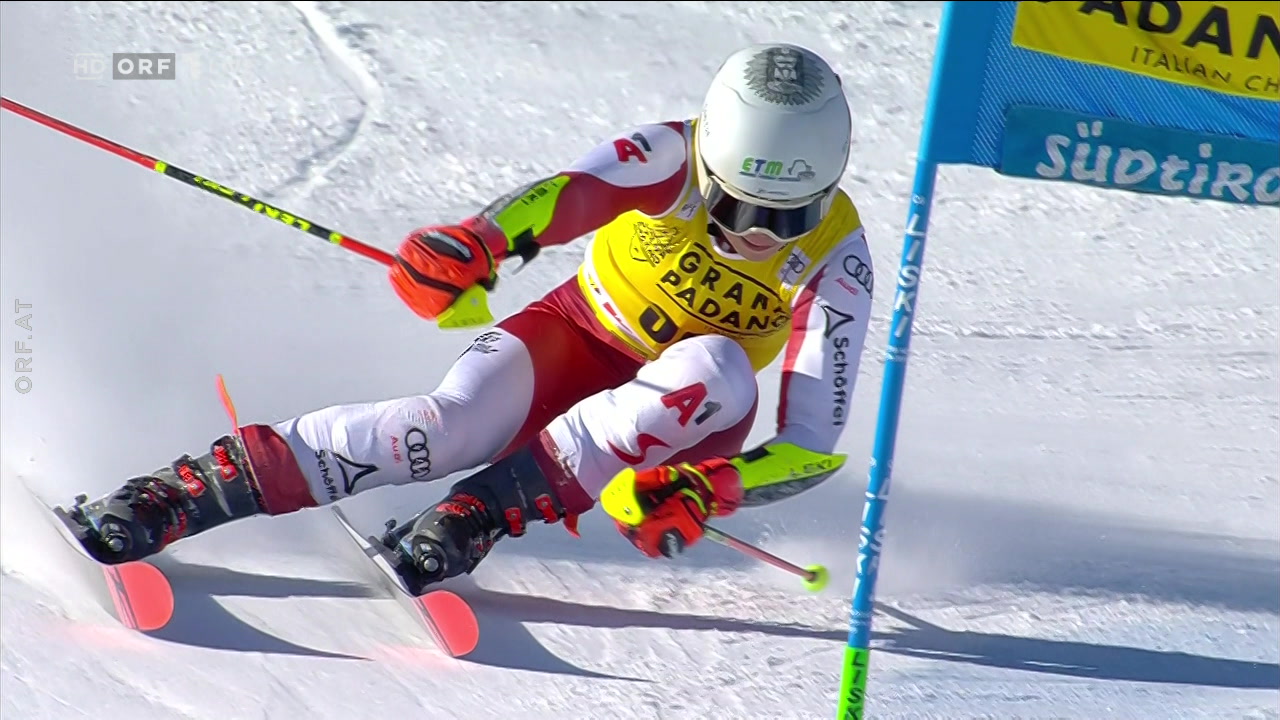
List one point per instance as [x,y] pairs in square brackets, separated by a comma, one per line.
[1084,517]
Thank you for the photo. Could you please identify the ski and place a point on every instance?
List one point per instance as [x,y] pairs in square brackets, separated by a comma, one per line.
[137,594]
[444,614]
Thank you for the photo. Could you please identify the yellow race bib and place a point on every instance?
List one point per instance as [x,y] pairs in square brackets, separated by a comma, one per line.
[654,281]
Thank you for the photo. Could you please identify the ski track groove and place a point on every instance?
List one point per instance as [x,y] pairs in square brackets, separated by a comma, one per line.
[26,682]
[153,697]
[314,168]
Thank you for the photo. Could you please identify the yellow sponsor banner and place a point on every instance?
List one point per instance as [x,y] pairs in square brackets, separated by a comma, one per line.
[1229,47]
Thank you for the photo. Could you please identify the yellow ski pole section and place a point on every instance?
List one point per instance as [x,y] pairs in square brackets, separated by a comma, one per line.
[471,309]
[620,500]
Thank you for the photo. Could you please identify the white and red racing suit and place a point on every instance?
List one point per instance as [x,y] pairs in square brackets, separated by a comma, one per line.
[647,355]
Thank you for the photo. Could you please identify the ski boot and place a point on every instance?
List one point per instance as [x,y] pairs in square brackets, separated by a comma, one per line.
[451,538]
[150,512]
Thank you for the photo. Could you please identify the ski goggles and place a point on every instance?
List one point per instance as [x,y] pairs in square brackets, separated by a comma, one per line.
[782,224]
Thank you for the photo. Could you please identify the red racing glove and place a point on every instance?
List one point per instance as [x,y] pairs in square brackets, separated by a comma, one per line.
[663,510]
[437,263]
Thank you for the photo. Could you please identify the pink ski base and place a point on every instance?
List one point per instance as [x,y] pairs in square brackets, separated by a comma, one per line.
[450,620]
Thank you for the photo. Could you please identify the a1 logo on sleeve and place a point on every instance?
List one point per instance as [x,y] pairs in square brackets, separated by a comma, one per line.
[632,148]
[641,156]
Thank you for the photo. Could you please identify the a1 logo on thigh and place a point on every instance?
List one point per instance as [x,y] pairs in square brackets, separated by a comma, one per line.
[691,402]
[687,400]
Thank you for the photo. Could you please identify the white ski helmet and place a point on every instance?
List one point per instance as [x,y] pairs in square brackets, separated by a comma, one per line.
[772,141]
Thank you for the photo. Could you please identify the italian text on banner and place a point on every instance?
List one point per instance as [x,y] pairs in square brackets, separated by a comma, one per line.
[1228,47]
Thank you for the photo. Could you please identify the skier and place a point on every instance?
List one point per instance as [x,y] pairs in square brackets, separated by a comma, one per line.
[720,243]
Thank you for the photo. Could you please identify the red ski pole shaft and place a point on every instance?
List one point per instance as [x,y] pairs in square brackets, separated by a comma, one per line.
[814,576]
[203,183]
[750,550]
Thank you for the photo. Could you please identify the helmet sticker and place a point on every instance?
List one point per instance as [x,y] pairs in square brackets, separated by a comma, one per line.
[779,75]
[799,169]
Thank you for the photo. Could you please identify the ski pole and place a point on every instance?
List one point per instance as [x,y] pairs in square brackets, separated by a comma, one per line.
[470,309]
[625,505]
[815,577]
[189,178]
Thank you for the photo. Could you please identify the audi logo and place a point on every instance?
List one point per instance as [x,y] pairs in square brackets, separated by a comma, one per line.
[415,442]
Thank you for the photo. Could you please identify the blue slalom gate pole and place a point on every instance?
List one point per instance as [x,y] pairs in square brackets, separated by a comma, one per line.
[853,683]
